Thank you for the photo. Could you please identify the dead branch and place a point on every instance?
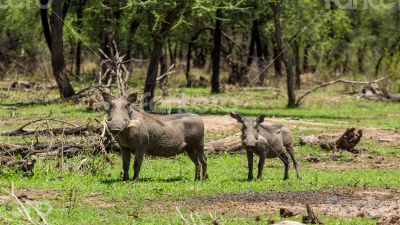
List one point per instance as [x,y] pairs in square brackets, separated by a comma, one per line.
[39,148]
[165,75]
[334,82]
[76,130]
[347,141]
[26,165]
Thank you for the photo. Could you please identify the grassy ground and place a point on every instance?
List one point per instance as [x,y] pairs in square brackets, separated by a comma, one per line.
[95,194]
[89,198]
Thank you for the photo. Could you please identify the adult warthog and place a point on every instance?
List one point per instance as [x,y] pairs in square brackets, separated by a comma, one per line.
[266,142]
[141,133]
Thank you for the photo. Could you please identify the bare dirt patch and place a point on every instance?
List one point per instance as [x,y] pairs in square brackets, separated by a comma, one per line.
[97,201]
[371,203]
[363,160]
[29,194]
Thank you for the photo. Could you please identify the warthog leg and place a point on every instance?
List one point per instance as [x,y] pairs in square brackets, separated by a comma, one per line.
[290,150]
[285,161]
[250,165]
[203,161]
[261,162]
[195,158]
[137,165]
[126,160]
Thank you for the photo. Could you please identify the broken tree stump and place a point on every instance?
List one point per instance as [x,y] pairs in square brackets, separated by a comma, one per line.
[347,141]
[311,218]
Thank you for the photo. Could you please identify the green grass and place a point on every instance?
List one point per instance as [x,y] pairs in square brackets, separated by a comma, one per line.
[166,180]
[171,180]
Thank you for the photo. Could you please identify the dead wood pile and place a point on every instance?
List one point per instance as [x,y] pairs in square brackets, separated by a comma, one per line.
[347,141]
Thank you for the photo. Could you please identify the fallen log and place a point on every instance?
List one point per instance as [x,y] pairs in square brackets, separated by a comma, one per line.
[347,141]
[372,92]
[229,144]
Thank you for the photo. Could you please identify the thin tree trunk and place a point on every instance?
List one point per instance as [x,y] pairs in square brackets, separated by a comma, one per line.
[188,60]
[176,51]
[171,54]
[278,60]
[57,56]
[216,53]
[78,59]
[260,56]
[151,79]
[360,59]
[135,23]
[251,50]
[180,52]
[305,59]
[296,49]
[44,4]
[108,35]
[285,57]
[78,56]
[163,64]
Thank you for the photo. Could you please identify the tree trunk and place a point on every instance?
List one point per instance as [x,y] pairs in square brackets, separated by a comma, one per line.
[45,22]
[78,56]
[180,52]
[188,59]
[260,56]
[172,58]
[135,23]
[151,79]
[57,56]
[305,59]
[170,17]
[251,50]
[296,49]
[163,64]
[360,59]
[108,35]
[216,53]
[285,57]
[278,61]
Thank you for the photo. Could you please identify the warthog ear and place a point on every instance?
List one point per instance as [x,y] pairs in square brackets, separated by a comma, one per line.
[260,119]
[237,116]
[132,98]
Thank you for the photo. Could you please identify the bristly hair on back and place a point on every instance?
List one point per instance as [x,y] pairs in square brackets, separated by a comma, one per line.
[152,117]
[271,128]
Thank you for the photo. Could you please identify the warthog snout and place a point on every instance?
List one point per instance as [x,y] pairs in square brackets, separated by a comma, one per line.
[250,142]
[117,125]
